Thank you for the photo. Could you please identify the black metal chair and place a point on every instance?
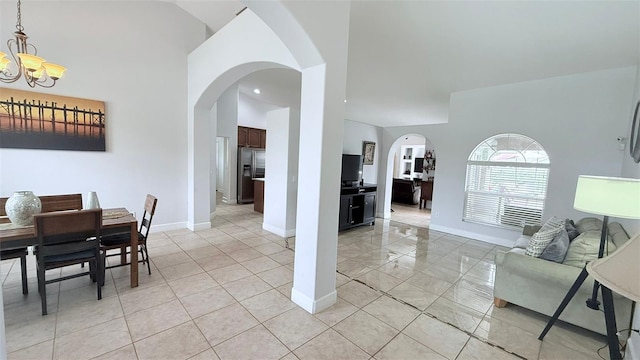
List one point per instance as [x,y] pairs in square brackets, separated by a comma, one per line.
[122,241]
[68,238]
[15,253]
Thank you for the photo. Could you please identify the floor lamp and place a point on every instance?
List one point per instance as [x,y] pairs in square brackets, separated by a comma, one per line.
[620,198]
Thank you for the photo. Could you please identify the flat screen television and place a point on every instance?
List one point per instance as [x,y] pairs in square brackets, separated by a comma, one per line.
[418,166]
[351,169]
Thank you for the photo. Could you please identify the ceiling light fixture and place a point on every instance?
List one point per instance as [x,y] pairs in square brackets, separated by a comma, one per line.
[256,91]
[36,70]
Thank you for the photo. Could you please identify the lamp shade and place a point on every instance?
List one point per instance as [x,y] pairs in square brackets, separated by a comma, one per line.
[4,62]
[30,62]
[619,271]
[609,196]
[54,71]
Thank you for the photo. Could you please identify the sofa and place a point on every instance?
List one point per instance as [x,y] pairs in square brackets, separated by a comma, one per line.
[540,285]
[405,191]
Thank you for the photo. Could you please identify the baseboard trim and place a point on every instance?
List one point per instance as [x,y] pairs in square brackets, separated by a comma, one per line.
[167,227]
[472,235]
[199,226]
[279,231]
[313,306]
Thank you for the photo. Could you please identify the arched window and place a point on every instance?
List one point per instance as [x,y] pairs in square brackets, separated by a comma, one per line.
[506,184]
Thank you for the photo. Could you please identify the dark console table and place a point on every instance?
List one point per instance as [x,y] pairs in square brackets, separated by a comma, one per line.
[357,206]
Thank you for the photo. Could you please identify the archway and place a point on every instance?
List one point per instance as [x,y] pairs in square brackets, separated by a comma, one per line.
[321,112]
[410,176]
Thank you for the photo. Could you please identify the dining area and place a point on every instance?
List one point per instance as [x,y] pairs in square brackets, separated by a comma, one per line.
[59,240]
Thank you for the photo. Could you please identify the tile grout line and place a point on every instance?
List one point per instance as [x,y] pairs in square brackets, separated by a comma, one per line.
[470,334]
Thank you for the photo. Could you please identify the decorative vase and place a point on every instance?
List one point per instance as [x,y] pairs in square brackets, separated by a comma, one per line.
[21,206]
[92,200]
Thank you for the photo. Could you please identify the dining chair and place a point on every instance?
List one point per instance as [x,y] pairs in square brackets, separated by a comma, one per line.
[68,238]
[122,241]
[15,253]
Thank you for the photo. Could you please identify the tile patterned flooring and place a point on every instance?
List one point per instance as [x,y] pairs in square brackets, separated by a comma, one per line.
[404,292]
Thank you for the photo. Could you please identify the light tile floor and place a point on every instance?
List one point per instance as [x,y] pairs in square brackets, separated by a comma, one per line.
[404,292]
[410,214]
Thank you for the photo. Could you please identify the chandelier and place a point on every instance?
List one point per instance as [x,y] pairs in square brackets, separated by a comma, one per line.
[34,69]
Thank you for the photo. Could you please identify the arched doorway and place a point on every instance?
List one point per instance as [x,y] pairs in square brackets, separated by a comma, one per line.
[411,173]
[321,112]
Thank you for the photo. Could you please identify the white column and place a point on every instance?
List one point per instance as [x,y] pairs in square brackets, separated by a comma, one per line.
[314,279]
[198,210]
[281,171]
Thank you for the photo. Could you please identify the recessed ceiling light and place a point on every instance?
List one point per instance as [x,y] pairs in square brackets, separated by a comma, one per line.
[256,91]
[345,100]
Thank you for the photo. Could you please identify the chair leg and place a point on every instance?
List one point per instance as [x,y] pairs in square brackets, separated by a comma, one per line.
[147,258]
[23,268]
[42,288]
[100,275]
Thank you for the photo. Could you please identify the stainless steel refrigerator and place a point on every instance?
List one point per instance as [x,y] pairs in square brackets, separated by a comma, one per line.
[250,166]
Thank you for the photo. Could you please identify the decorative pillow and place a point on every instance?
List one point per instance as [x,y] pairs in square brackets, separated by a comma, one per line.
[570,227]
[539,241]
[542,238]
[585,248]
[557,249]
[552,223]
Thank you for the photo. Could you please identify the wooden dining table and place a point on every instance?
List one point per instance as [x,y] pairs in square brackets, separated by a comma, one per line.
[116,220]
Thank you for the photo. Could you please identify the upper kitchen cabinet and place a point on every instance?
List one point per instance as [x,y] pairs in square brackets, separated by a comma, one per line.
[251,137]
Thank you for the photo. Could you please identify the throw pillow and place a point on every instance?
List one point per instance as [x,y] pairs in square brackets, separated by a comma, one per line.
[585,248]
[557,249]
[541,239]
[571,229]
[552,223]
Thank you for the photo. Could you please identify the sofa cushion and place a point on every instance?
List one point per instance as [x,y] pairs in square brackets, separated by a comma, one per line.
[588,224]
[542,238]
[617,234]
[522,242]
[557,249]
[585,248]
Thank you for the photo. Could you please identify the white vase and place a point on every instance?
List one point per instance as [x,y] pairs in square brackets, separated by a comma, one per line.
[92,200]
[21,206]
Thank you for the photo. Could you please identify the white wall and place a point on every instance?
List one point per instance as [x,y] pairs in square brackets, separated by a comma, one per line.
[253,113]
[227,126]
[355,133]
[576,118]
[406,140]
[146,102]
[281,177]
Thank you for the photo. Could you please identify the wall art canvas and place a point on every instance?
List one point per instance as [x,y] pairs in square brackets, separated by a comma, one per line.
[368,151]
[34,120]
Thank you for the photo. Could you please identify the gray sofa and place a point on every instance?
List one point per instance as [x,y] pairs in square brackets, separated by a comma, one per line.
[540,285]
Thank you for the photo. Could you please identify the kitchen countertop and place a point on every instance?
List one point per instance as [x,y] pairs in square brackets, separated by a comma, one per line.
[257,179]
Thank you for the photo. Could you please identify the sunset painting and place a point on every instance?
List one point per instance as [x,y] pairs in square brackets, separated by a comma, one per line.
[32,120]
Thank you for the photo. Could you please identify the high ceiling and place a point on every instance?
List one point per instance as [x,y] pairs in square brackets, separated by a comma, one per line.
[407,57]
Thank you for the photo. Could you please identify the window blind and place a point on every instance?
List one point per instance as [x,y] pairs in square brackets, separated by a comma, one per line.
[506,194]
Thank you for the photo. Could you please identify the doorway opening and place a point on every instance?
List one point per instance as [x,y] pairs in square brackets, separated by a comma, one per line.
[413,173]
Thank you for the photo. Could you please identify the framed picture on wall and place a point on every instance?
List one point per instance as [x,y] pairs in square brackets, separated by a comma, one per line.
[33,120]
[368,151]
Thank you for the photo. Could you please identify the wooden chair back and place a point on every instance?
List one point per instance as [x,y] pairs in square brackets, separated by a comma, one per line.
[52,203]
[149,209]
[67,232]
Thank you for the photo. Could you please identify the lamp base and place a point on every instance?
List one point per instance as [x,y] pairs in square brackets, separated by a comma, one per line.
[593,304]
